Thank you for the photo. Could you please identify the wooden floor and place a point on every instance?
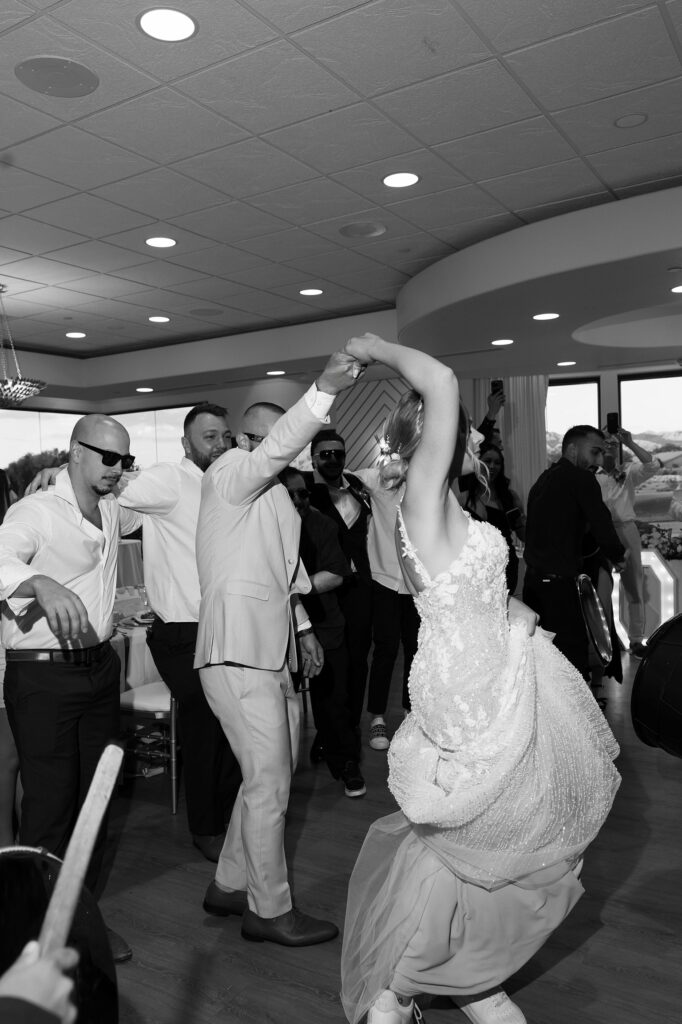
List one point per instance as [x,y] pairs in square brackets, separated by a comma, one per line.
[616,960]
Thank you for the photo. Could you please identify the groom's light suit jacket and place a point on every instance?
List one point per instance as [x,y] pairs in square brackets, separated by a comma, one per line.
[247,550]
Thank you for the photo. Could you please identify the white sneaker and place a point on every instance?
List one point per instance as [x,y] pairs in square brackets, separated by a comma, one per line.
[494,1008]
[378,735]
[387,1010]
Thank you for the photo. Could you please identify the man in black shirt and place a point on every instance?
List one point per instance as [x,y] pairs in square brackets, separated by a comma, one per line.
[563,504]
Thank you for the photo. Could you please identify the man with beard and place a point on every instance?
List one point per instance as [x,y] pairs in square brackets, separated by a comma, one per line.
[58,553]
[168,496]
[564,504]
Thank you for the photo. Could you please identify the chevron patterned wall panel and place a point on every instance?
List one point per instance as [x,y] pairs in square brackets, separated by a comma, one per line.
[359,415]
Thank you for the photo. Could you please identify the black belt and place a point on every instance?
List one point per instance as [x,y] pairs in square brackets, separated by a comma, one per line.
[77,656]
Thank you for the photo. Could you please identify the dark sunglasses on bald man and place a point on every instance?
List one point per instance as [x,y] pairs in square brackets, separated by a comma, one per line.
[331,453]
[110,458]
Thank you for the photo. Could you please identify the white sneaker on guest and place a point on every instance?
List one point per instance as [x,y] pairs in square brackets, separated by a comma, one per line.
[495,1007]
[378,734]
[387,1010]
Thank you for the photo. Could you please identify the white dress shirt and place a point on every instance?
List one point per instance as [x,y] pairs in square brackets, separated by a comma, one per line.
[168,495]
[381,546]
[46,534]
[619,495]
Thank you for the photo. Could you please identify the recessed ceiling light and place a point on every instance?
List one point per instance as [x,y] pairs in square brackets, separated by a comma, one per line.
[160,243]
[677,288]
[545,316]
[144,391]
[503,341]
[403,179]
[310,291]
[275,373]
[159,319]
[167,25]
[631,120]
[567,362]
[75,334]
[363,229]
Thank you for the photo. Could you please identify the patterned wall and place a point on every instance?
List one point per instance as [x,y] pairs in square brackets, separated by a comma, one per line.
[359,415]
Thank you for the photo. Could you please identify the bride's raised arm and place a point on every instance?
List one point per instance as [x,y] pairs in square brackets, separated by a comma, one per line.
[430,440]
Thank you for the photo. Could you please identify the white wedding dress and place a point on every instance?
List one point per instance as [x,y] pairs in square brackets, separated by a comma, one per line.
[503,772]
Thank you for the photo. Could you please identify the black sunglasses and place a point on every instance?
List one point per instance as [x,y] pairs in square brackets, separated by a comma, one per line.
[300,493]
[256,438]
[331,453]
[110,458]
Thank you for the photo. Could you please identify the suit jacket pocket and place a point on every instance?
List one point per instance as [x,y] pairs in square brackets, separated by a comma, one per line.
[247,588]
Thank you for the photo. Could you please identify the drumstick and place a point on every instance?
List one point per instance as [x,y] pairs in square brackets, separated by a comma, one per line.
[62,905]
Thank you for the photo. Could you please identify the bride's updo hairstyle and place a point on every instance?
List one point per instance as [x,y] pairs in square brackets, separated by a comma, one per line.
[402,434]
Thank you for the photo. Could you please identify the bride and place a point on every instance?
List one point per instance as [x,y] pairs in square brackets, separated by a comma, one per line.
[503,771]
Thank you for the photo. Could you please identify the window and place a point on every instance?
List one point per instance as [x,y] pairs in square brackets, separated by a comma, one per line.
[569,402]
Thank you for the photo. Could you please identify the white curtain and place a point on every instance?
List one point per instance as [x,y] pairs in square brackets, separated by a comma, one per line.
[522,427]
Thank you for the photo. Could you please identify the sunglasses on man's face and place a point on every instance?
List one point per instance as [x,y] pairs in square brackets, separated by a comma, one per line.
[331,453]
[110,458]
[301,493]
[256,438]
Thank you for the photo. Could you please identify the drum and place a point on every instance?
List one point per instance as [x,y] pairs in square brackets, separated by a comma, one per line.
[598,632]
[27,878]
[656,703]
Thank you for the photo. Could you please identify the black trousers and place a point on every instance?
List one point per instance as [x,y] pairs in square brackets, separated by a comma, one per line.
[355,599]
[329,702]
[394,619]
[62,716]
[211,772]
[557,603]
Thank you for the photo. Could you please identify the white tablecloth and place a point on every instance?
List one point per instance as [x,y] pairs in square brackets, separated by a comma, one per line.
[129,572]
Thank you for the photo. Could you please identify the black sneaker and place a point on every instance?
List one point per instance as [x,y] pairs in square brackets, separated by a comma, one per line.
[352,779]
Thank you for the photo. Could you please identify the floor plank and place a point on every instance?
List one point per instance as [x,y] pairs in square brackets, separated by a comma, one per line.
[616,960]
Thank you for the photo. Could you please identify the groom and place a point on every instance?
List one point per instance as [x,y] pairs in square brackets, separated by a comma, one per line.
[250,576]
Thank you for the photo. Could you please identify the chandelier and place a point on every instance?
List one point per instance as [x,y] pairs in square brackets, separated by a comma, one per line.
[13,390]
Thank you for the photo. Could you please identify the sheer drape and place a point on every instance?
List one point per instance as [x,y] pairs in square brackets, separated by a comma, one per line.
[522,426]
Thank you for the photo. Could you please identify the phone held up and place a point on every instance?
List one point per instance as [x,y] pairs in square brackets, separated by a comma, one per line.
[612,424]
[496,386]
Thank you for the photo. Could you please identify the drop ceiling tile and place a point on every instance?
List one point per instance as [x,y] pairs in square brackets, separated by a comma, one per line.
[17,286]
[43,271]
[309,201]
[643,161]
[159,274]
[21,122]
[78,159]
[117,79]
[174,302]
[592,126]
[674,10]
[290,15]
[31,237]
[509,148]
[447,208]
[614,57]
[391,43]
[649,186]
[517,23]
[161,193]
[269,275]
[163,126]
[434,174]
[88,215]
[397,251]
[384,283]
[283,246]
[246,168]
[105,286]
[99,256]
[343,138]
[126,311]
[462,235]
[276,306]
[461,103]
[270,87]
[211,290]
[224,29]
[334,297]
[547,210]
[333,265]
[22,190]
[230,222]
[13,13]
[59,298]
[221,260]
[542,185]
[373,215]
[185,241]
[10,256]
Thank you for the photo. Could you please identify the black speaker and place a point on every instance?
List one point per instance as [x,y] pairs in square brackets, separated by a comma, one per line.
[656,703]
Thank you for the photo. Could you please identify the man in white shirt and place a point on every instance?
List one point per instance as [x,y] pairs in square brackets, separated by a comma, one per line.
[58,552]
[250,576]
[618,484]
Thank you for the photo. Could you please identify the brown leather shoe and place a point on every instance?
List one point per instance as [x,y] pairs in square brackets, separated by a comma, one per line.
[221,903]
[291,929]
[210,846]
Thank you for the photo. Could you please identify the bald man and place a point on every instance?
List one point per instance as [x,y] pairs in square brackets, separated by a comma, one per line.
[250,576]
[58,551]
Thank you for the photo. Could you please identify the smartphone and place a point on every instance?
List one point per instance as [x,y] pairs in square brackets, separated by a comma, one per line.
[612,424]
[496,386]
